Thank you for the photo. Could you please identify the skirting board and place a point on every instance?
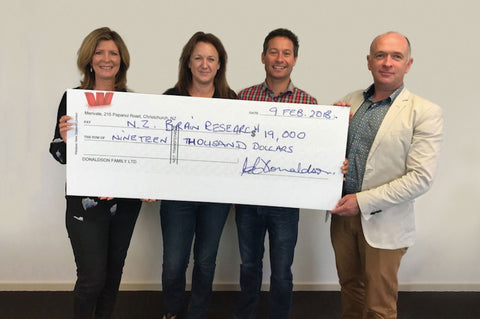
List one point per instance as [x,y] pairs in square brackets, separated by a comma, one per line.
[298,286]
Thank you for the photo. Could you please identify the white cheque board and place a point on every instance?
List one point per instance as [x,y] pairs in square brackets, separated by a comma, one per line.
[199,149]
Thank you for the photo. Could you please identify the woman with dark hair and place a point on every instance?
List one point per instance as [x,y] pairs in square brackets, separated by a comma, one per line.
[202,70]
[99,228]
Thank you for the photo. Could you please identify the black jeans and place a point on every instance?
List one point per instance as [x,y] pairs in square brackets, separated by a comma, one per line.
[100,233]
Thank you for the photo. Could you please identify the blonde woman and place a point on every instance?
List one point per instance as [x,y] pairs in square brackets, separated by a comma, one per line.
[99,228]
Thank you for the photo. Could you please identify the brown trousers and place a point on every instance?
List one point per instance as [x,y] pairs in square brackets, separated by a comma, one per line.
[368,275]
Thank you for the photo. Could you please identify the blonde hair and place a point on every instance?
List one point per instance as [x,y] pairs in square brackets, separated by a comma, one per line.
[87,50]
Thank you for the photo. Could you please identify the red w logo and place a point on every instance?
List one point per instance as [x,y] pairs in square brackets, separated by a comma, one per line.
[102,98]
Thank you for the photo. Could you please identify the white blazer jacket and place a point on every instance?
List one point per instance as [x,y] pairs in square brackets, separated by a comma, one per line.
[400,167]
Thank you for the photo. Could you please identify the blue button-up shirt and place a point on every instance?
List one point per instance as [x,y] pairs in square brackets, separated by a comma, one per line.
[361,134]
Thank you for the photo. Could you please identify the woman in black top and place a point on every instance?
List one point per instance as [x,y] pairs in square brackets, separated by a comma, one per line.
[99,228]
[201,74]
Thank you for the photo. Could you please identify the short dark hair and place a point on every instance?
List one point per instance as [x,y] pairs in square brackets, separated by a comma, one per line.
[281,32]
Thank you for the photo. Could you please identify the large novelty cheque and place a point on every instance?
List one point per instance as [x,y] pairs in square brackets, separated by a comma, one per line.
[198,149]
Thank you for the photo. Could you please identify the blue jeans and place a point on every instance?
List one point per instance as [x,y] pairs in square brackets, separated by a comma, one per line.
[252,224]
[100,233]
[181,221]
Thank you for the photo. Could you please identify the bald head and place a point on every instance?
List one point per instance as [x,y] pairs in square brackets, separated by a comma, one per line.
[392,34]
[389,60]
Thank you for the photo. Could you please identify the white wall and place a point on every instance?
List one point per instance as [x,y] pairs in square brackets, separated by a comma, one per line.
[38,45]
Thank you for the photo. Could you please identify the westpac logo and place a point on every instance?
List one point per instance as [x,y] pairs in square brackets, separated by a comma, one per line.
[99,98]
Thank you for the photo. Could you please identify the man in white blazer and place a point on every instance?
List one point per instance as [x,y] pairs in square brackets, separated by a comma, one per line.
[393,147]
